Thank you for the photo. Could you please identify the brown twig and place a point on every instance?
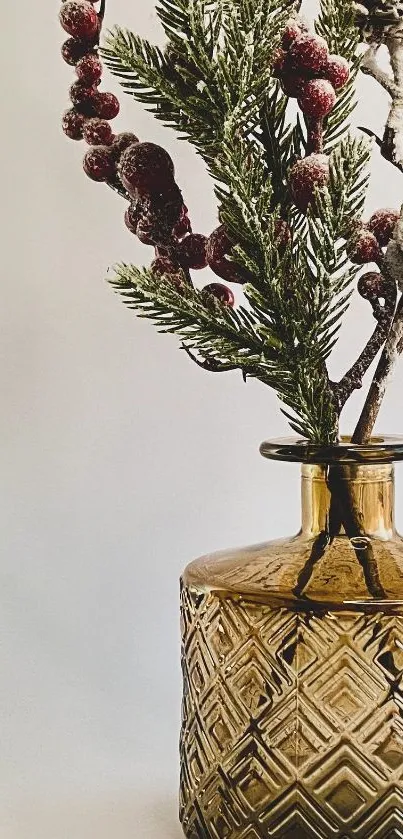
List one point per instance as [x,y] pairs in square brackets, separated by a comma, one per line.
[352,380]
[384,371]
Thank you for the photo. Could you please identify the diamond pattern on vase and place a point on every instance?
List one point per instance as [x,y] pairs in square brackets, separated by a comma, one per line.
[292,723]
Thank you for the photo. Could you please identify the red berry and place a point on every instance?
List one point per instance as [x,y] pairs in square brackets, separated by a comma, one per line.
[122,142]
[221,293]
[89,69]
[80,94]
[99,164]
[363,248]
[293,85]
[73,124]
[184,225]
[382,224]
[191,251]
[309,53]
[305,176]
[146,168]
[106,105]
[73,50]
[153,217]
[98,132]
[219,246]
[163,265]
[372,286]
[131,218]
[337,71]
[318,98]
[79,19]
[291,32]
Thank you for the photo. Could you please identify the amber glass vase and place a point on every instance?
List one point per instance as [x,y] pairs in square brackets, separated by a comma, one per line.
[293,665]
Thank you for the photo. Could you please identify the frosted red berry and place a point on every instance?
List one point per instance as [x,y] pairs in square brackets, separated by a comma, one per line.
[73,124]
[372,286]
[73,50]
[99,164]
[122,142]
[163,265]
[106,105]
[220,292]
[98,132]
[293,85]
[154,217]
[305,176]
[309,53]
[337,71]
[184,226]
[131,218]
[363,248]
[81,94]
[317,99]
[89,69]
[79,19]
[145,168]
[291,32]
[382,224]
[219,247]
[191,251]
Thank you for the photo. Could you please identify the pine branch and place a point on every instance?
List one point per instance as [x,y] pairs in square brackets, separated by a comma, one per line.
[216,71]
[215,330]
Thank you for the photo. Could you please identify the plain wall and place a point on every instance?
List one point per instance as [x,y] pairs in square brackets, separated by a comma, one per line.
[120,462]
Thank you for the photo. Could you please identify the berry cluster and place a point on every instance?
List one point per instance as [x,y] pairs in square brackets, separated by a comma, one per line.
[308,72]
[365,241]
[156,214]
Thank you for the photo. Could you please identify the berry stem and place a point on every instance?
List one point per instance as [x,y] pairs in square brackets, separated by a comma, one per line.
[315,135]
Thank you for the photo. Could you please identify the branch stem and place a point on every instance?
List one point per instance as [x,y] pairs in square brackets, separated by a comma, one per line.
[383,374]
[352,380]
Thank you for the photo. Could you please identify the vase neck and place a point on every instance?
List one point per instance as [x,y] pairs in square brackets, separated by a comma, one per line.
[370,487]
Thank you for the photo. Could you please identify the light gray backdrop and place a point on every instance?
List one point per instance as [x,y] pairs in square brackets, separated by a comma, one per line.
[120,462]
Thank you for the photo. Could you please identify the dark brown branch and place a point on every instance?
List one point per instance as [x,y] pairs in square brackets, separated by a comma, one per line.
[384,370]
[352,380]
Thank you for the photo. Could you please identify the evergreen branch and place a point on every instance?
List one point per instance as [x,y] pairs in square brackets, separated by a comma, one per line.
[208,326]
[215,72]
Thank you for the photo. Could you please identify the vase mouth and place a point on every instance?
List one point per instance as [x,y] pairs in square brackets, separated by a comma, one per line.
[382,448]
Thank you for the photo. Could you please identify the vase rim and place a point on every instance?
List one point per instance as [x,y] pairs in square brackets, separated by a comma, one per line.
[382,448]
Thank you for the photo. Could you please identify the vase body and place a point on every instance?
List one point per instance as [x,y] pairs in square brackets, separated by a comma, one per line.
[293,672]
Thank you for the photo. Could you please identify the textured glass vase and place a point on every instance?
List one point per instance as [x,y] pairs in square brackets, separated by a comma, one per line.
[293,665]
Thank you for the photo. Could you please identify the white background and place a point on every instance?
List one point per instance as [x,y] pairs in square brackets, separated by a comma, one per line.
[120,461]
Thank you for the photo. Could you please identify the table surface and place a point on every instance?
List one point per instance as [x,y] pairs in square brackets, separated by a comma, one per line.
[143,813]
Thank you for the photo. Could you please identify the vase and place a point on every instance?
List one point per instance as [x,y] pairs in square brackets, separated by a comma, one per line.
[293,664]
